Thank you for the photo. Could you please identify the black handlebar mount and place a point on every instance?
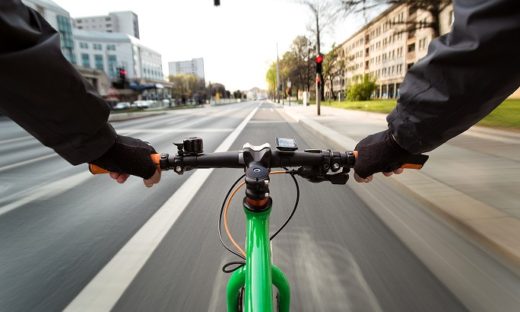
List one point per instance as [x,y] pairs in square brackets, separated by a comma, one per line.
[257,161]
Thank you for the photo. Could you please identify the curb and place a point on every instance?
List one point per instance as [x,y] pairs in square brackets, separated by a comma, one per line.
[486,226]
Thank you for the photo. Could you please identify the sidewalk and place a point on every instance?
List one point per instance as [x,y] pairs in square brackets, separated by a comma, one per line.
[472,182]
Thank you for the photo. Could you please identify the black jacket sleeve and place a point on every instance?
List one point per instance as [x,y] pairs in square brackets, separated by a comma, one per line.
[465,75]
[42,92]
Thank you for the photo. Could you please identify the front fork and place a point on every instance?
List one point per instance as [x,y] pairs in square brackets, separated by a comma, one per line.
[259,274]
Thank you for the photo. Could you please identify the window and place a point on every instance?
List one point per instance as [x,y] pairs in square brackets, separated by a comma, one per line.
[83,45]
[98,46]
[412,10]
[111,47]
[85,60]
[411,47]
[112,65]
[99,62]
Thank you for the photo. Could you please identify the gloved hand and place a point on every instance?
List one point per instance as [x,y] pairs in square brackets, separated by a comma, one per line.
[130,156]
[379,152]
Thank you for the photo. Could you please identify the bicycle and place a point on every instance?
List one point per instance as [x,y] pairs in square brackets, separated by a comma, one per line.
[250,285]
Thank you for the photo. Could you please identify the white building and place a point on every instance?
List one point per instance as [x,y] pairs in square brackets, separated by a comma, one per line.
[125,22]
[60,20]
[108,51]
[193,66]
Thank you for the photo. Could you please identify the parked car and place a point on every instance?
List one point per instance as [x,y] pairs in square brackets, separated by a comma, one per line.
[122,105]
[142,104]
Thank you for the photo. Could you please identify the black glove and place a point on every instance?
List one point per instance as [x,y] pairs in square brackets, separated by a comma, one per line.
[128,155]
[379,152]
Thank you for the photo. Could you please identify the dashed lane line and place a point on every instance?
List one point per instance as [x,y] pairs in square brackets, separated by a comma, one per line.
[103,292]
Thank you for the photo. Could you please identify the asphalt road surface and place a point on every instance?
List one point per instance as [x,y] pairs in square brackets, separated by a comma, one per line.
[60,226]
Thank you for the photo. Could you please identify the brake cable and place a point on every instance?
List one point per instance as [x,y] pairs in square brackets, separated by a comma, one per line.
[224,209]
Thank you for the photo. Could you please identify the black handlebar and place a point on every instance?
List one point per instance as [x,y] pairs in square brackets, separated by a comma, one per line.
[278,159]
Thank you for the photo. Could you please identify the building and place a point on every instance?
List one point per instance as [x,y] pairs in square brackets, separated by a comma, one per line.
[108,51]
[193,66]
[383,50]
[60,20]
[125,22]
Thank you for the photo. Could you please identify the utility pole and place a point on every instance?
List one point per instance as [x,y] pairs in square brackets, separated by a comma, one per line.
[318,78]
[289,90]
[277,77]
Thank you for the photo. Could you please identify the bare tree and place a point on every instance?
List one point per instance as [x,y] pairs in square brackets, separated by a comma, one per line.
[325,14]
[333,67]
[434,7]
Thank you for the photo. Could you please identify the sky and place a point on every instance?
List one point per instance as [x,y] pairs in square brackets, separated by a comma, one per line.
[238,39]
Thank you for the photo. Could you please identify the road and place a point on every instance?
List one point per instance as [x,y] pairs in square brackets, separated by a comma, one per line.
[59,227]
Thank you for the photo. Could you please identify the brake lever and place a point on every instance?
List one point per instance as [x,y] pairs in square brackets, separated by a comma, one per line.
[338,178]
[314,175]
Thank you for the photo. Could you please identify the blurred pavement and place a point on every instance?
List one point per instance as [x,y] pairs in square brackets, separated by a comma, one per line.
[472,181]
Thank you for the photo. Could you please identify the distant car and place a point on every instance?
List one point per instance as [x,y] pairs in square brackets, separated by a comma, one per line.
[122,105]
[142,104]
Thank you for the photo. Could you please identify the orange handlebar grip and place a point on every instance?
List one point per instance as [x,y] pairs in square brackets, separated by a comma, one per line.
[412,166]
[156,159]
[96,169]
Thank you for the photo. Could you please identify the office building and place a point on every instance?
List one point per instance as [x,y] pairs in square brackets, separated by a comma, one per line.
[194,67]
[108,51]
[383,50]
[125,22]
[60,20]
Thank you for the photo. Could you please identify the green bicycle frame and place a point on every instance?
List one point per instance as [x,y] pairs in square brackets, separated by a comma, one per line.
[259,274]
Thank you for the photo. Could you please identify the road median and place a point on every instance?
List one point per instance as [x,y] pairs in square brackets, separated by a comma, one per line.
[133,115]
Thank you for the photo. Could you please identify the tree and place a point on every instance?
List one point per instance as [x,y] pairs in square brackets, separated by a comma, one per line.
[302,49]
[220,89]
[270,78]
[187,87]
[434,7]
[362,91]
[238,94]
[333,67]
[325,13]
[289,65]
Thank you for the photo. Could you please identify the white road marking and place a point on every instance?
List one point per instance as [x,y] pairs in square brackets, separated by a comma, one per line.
[47,191]
[169,130]
[267,121]
[16,139]
[103,292]
[26,162]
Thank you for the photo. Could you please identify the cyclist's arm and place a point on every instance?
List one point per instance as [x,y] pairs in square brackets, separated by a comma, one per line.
[43,93]
[466,74]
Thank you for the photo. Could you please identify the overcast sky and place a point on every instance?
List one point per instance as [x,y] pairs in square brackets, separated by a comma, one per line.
[237,39]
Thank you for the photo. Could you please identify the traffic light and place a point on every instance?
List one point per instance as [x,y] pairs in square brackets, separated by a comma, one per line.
[319,62]
[122,77]
[122,73]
